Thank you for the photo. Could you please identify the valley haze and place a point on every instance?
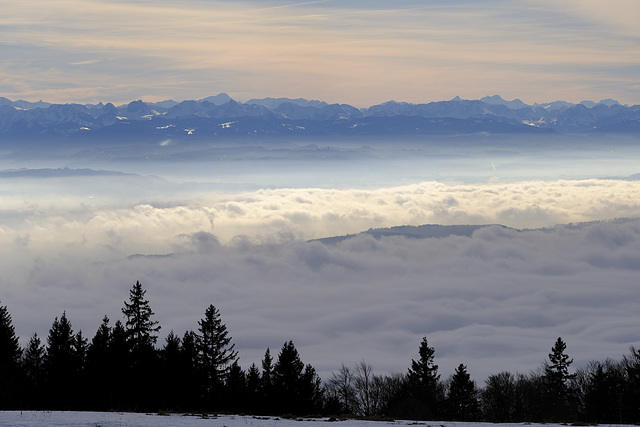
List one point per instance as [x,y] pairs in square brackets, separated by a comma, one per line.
[239,204]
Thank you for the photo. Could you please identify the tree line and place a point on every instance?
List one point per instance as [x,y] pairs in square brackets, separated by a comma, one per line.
[123,368]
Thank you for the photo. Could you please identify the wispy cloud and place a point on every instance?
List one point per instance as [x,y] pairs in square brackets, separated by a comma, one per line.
[360,54]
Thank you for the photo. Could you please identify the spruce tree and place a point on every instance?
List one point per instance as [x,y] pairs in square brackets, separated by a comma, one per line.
[60,363]
[10,353]
[172,375]
[266,383]
[253,389]
[141,329]
[236,389]
[119,393]
[141,335]
[424,382]
[99,366]
[287,374]
[190,397]
[33,366]
[556,383]
[216,353]
[462,399]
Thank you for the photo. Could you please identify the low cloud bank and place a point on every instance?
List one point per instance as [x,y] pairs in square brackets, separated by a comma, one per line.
[494,301]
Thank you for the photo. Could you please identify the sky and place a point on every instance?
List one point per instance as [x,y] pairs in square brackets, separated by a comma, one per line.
[356,52]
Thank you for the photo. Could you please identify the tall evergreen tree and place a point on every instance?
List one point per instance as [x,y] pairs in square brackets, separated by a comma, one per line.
[311,391]
[424,382]
[79,348]
[119,393]
[141,329]
[10,353]
[172,376]
[236,389]
[190,396]
[99,366]
[287,374]
[462,399]
[33,366]
[216,353]
[141,335]
[60,362]
[556,382]
[253,389]
[266,383]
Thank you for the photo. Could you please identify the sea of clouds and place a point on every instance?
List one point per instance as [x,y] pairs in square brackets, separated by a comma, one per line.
[494,301]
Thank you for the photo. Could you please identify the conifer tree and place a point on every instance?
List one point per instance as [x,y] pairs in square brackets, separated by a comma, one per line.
[424,382]
[141,329]
[60,362]
[119,393]
[462,399]
[172,375]
[556,378]
[10,353]
[189,370]
[235,388]
[253,389]
[215,351]
[311,391]
[266,382]
[33,366]
[141,335]
[287,374]
[99,366]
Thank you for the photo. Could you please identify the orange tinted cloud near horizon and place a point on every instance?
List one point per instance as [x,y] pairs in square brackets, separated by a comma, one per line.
[74,51]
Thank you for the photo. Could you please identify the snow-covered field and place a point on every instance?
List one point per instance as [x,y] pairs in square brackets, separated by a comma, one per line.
[125,419]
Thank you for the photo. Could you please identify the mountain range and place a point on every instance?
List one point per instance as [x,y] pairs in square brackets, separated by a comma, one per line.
[220,117]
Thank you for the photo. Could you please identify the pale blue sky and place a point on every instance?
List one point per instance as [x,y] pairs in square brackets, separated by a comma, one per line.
[355,52]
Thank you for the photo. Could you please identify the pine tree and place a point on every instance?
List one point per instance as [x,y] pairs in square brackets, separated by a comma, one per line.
[235,389]
[172,376]
[10,353]
[99,366]
[556,382]
[141,336]
[424,382]
[33,366]
[253,389]
[119,393]
[141,329]
[462,399]
[287,374]
[215,351]
[189,369]
[60,362]
[266,383]
[311,391]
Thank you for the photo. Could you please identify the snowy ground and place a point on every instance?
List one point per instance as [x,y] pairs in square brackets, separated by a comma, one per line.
[124,419]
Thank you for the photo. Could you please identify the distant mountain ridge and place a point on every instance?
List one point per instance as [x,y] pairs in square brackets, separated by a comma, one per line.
[221,116]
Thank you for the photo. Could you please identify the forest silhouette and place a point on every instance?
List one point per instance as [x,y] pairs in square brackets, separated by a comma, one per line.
[122,368]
